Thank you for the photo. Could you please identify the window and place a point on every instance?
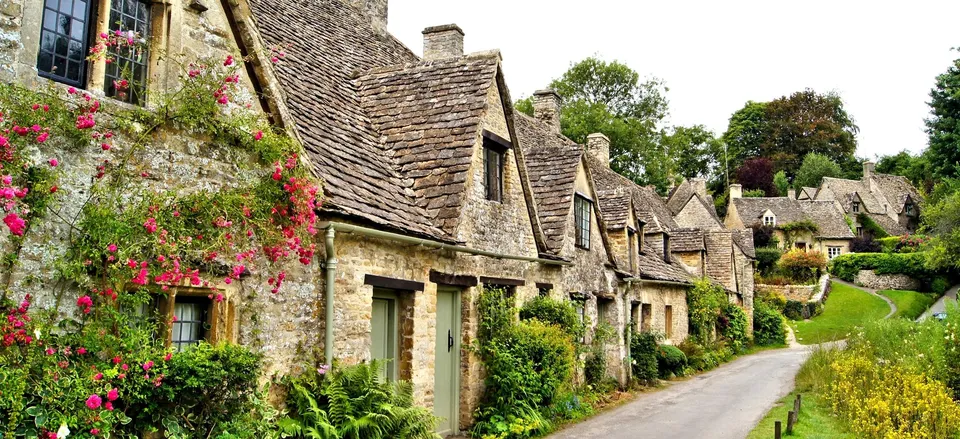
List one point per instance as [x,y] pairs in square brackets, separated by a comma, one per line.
[632,249]
[601,311]
[859,231]
[126,75]
[908,208]
[855,207]
[668,320]
[581,213]
[635,316]
[646,316]
[493,169]
[64,41]
[191,323]
[769,220]
[833,252]
[383,335]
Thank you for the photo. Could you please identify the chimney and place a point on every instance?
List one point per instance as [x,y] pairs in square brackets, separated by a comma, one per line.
[546,107]
[867,170]
[700,187]
[792,194]
[736,191]
[376,10]
[666,248]
[598,146]
[441,42]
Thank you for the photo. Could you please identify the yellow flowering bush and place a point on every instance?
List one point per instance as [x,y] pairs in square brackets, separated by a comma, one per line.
[879,401]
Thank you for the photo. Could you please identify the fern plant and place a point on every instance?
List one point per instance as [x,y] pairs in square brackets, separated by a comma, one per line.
[353,402]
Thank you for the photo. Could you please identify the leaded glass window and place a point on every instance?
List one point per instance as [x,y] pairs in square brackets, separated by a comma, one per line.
[581,213]
[190,322]
[64,41]
[126,74]
[493,169]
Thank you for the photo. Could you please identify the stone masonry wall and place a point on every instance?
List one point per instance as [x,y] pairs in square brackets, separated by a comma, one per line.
[800,293]
[870,279]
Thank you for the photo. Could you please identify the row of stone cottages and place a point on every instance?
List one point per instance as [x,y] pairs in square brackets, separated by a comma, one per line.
[434,187]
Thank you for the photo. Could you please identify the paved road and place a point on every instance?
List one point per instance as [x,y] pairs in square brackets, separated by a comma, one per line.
[725,403]
[941,305]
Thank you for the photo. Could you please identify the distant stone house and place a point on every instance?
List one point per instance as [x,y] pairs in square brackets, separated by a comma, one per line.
[890,201]
[832,236]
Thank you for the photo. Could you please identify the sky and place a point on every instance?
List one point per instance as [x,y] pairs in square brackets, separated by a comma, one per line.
[881,57]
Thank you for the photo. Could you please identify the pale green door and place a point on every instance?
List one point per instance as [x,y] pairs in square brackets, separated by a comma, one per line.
[446,389]
[384,332]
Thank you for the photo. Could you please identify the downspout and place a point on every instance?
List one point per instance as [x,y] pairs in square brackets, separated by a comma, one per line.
[331,267]
[627,306]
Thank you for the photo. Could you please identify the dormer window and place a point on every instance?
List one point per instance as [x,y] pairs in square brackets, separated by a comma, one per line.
[632,249]
[68,32]
[855,207]
[582,209]
[769,219]
[493,153]
[908,208]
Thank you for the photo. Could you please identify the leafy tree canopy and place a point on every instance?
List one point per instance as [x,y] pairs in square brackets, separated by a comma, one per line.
[781,182]
[943,126]
[757,174]
[916,168]
[814,168]
[694,151]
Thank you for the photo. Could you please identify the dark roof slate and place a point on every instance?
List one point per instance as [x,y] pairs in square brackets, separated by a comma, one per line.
[648,206]
[830,221]
[896,190]
[752,209]
[552,162]
[744,239]
[652,266]
[686,240]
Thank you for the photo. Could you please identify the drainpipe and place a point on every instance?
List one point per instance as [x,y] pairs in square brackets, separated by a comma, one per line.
[627,305]
[331,267]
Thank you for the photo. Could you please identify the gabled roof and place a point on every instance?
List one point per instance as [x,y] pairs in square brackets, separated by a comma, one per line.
[807,193]
[647,205]
[744,239]
[616,205]
[686,240]
[652,266]
[845,191]
[896,189]
[552,162]
[830,221]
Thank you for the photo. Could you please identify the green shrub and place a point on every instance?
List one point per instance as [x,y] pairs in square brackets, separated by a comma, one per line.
[773,298]
[889,244]
[793,310]
[643,353]
[767,258]
[870,227]
[940,285]
[802,266]
[704,302]
[733,327]
[497,313]
[560,313]
[768,326]
[595,368]
[846,266]
[670,361]
[813,309]
[353,402]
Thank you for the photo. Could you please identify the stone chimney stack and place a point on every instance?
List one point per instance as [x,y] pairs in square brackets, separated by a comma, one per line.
[736,191]
[546,107]
[666,248]
[441,42]
[376,10]
[700,187]
[792,194]
[598,145]
[867,170]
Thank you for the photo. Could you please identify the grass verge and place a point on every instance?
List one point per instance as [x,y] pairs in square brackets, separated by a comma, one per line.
[815,422]
[910,304]
[846,309]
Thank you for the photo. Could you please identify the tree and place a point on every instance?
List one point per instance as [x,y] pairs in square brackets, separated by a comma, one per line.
[943,126]
[692,151]
[916,168]
[757,174]
[780,181]
[814,168]
[788,128]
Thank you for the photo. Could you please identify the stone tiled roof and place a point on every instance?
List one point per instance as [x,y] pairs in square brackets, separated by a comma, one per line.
[652,266]
[830,220]
[679,196]
[808,192]
[888,224]
[615,206]
[744,239]
[552,162]
[686,240]
[334,42]
[752,209]
[428,115]
[648,206]
[896,190]
[846,191]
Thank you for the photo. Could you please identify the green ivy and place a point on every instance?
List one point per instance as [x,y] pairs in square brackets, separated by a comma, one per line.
[871,227]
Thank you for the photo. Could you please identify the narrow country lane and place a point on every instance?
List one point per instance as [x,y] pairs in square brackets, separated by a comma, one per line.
[725,403]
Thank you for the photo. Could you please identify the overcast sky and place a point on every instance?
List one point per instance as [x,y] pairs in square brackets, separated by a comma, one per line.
[716,55]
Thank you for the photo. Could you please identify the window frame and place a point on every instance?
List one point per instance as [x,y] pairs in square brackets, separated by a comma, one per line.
[831,249]
[134,97]
[855,207]
[85,41]
[582,220]
[632,245]
[497,147]
[769,220]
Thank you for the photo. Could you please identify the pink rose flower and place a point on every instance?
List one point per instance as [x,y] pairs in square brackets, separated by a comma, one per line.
[94,402]
[113,394]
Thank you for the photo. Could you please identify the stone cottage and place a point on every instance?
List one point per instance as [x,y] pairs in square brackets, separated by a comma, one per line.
[890,201]
[832,236]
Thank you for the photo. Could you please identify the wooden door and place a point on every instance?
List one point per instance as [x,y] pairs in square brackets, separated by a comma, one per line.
[446,390]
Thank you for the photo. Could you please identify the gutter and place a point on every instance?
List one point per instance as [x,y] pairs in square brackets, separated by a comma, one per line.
[631,280]
[331,264]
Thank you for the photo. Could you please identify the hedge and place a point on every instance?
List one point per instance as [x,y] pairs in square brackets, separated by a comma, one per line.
[848,265]
[767,258]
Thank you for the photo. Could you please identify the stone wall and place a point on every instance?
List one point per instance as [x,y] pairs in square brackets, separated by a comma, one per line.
[870,279]
[800,293]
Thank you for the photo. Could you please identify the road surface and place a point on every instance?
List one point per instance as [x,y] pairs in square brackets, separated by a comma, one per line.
[725,403]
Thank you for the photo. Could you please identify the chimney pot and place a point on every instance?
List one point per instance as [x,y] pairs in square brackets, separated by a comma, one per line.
[792,194]
[598,145]
[546,107]
[736,191]
[868,167]
[441,42]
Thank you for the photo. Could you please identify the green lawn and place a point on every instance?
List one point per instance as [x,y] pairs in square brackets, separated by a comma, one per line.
[846,308]
[910,304]
[815,420]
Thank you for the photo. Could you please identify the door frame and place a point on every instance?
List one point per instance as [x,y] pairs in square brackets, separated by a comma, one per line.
[458,358]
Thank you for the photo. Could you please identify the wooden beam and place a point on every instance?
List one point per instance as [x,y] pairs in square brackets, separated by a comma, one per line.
[460,280]
[502,281]
[392,283]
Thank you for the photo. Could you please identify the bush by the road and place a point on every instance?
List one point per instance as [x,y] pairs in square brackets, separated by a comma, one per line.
[643,353]
[768,326]
[670,361]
